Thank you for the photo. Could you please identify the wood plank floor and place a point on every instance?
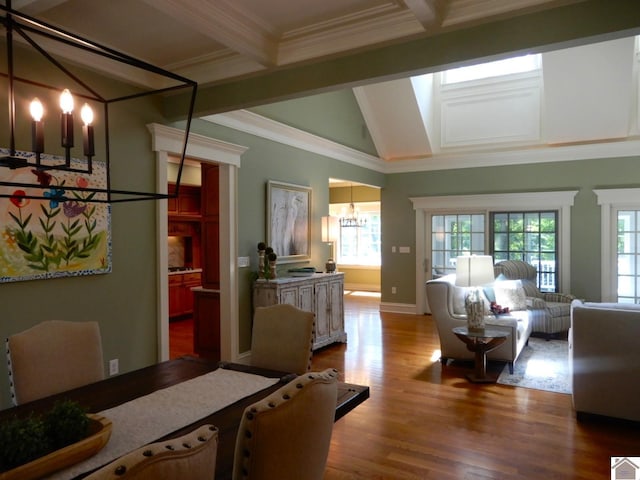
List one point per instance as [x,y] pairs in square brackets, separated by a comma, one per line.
[425,421]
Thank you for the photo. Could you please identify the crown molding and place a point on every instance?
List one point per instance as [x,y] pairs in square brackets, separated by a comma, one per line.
[332,39]
[547,154]
[260,126]
[251,123]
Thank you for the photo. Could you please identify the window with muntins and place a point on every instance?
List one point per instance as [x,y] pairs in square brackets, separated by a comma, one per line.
[628,256]
[359,245]
[454,235]
[531,237]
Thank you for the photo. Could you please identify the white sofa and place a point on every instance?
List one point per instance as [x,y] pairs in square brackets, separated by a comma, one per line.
[604,359]
[446,302]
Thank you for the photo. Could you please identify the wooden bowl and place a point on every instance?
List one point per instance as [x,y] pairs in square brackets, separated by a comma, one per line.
[99,433]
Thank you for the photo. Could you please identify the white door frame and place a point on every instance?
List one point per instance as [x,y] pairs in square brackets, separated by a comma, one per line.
[168,141]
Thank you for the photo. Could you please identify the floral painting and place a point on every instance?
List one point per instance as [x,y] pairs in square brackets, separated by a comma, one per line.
[64,235]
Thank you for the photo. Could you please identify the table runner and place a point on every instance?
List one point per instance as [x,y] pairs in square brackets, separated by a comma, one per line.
[145,419]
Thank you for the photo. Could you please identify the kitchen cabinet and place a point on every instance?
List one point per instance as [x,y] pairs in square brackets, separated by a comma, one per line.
[180,293]
[186,204]
[206,324]
[320,293]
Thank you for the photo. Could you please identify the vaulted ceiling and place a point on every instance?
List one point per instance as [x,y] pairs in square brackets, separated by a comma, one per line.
[269,50]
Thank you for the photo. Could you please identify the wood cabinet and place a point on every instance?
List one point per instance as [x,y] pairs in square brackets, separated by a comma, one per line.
[206,326]
[206,315]
[186,204]
[180,293]
[321,293]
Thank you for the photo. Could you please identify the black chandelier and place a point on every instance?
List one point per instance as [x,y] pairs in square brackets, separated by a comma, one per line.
[35,33]
[352,219]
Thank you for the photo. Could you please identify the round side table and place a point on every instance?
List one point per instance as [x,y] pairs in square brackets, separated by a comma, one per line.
[480,342]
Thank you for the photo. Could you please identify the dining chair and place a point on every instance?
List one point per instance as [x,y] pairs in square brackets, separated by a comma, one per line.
[282,338]
[52,357]
[287,434]
[190,457]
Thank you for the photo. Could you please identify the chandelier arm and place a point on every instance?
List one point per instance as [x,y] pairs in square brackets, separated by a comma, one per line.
[192,105]
[59,65]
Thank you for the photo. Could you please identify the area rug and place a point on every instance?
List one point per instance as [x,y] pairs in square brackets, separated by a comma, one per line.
[542,365]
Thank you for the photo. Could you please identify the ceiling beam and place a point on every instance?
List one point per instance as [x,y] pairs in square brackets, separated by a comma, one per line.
[225,24]
[581,23]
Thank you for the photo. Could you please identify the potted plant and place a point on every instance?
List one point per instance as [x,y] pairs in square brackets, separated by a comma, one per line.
[40,444]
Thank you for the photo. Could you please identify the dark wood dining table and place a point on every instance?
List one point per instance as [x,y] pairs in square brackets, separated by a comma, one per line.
[117,390]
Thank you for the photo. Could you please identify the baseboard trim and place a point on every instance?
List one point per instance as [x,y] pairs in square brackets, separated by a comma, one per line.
[398,308]
[362,287]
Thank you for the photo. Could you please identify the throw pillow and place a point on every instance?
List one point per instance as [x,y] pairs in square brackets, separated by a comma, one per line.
[459,294]
[510,294]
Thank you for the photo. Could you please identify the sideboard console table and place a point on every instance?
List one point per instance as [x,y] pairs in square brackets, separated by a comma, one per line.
[320,293]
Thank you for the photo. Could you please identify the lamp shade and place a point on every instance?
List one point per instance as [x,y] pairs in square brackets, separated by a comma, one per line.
[329,229]
[474,270]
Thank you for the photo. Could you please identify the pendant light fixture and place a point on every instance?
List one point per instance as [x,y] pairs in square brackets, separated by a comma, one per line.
[39,166]
[352,219]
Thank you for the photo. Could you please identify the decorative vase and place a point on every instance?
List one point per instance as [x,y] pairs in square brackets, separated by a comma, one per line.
[330,266]
[474,306]
[261,263]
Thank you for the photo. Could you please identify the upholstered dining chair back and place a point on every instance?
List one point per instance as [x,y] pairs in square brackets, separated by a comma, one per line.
[52,357]
[286,436]
[190,457]
[282,338]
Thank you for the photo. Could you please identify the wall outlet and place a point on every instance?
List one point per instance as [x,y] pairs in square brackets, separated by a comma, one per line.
[113,367]
[394,290]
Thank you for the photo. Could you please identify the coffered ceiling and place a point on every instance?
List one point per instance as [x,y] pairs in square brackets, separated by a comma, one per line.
[216,40]
[248,52]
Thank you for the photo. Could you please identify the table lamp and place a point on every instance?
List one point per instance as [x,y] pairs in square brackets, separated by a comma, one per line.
[330,235]
[473,271]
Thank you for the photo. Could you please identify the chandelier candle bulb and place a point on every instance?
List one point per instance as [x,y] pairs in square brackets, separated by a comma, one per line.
[86,113]
[66,124]
[37,128]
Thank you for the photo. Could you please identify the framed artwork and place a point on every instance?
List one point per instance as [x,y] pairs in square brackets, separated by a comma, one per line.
[59,237]
[288,225]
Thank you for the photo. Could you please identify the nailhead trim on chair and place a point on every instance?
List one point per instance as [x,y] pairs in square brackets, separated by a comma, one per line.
[272,403]
[156,448]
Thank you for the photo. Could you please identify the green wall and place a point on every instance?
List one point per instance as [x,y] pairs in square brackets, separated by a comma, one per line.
[333,115]
[398,224]
[263,161]
[124,301]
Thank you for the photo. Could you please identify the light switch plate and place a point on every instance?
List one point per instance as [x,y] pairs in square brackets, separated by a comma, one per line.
[244,261]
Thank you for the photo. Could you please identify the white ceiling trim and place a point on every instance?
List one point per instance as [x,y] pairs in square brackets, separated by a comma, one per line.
[222,23]
[254,124]
[260,126]
[428,12]
[366,32]
[615,149]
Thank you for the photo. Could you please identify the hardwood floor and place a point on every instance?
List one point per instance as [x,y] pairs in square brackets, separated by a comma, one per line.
[425,421]
[181,338]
